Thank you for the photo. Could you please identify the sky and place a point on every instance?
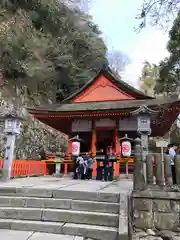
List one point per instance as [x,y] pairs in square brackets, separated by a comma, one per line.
[116,19]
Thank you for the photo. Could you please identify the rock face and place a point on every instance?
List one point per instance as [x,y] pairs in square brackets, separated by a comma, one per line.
[155,215]
[35,136]
[151,235]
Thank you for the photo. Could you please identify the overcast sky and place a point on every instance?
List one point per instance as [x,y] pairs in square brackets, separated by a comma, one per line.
[116,18]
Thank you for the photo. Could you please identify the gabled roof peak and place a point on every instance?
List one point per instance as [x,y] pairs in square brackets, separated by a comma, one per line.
[108,72]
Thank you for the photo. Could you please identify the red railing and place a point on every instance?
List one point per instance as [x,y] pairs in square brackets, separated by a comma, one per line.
[24,168]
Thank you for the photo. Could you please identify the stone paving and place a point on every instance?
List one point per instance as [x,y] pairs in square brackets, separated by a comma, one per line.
[49,182]
[23,235]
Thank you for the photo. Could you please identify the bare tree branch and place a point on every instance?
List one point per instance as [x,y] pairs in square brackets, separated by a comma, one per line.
[117,60]
[83,5]
[157,12]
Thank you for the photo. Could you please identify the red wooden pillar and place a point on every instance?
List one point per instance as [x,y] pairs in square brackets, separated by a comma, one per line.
[116,140]
[69,154]
[117,149]
[93,141]
[93,147]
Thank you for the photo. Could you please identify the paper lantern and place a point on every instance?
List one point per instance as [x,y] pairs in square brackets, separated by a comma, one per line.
[126,148]
[75,148]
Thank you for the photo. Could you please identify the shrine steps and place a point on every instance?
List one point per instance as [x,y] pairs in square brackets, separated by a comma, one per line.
[89,214]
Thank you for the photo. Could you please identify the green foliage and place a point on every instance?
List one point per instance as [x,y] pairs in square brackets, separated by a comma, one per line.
[168,81]
[47,46]
[149,76]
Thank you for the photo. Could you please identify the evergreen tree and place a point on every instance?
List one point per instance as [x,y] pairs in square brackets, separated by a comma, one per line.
[168,81]
[148,78]
[46,46]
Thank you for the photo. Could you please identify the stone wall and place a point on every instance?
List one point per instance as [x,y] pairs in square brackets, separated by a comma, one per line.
[35,136]
[155,214]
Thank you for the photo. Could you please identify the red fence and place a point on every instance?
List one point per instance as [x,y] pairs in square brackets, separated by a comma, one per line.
[24,168]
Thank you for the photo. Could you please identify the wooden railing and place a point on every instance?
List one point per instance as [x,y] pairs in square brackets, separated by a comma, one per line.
[27,168]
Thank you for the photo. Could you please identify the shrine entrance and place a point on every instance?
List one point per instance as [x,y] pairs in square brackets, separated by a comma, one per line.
[104,138]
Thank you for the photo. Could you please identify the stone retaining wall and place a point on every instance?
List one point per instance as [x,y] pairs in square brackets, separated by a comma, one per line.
[155,213]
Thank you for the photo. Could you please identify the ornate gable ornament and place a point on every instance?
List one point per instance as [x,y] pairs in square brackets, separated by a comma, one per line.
[144,110]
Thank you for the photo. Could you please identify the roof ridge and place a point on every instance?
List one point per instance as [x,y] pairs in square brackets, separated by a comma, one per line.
[107,70]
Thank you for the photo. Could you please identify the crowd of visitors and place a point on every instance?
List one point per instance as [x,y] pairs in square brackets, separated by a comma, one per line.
[84,166]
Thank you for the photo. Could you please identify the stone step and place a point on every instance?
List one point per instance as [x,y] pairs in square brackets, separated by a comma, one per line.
[60,215]
[84,230]
[8,234]
[60,194]
[80,205]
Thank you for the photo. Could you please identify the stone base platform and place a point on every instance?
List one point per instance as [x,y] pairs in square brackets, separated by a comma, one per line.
[48,182]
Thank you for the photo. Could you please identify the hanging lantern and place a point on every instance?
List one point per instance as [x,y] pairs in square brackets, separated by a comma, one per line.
[75,148]
[76,144]
[126,148]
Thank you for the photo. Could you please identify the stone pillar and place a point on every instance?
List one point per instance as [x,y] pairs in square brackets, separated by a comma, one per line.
[144,140]
[177,168]
[167,170]
[9,153]
[93,141]
[149,169]
[158,170]
[138,176]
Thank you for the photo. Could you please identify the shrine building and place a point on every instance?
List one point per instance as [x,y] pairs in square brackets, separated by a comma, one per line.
[104,110]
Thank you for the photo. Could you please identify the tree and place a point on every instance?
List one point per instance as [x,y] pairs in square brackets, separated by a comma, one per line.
[148,78]
[83,5]
[117,60]
[168,80]
[157,12]
[46,45]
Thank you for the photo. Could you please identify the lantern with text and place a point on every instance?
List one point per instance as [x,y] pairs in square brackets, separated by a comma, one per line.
[76,146]
[75,149]
[126,148]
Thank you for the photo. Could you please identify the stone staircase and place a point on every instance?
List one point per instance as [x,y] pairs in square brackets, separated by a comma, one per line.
[93,215]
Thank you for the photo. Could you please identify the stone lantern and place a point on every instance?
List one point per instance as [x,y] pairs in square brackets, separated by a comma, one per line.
[144,116]
[12,122]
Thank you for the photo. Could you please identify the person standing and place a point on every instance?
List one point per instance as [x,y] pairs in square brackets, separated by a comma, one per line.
[90,163]
[106,167]
[172,153]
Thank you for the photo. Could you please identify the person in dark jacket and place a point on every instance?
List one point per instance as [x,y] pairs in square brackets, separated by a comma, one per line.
[106,167]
